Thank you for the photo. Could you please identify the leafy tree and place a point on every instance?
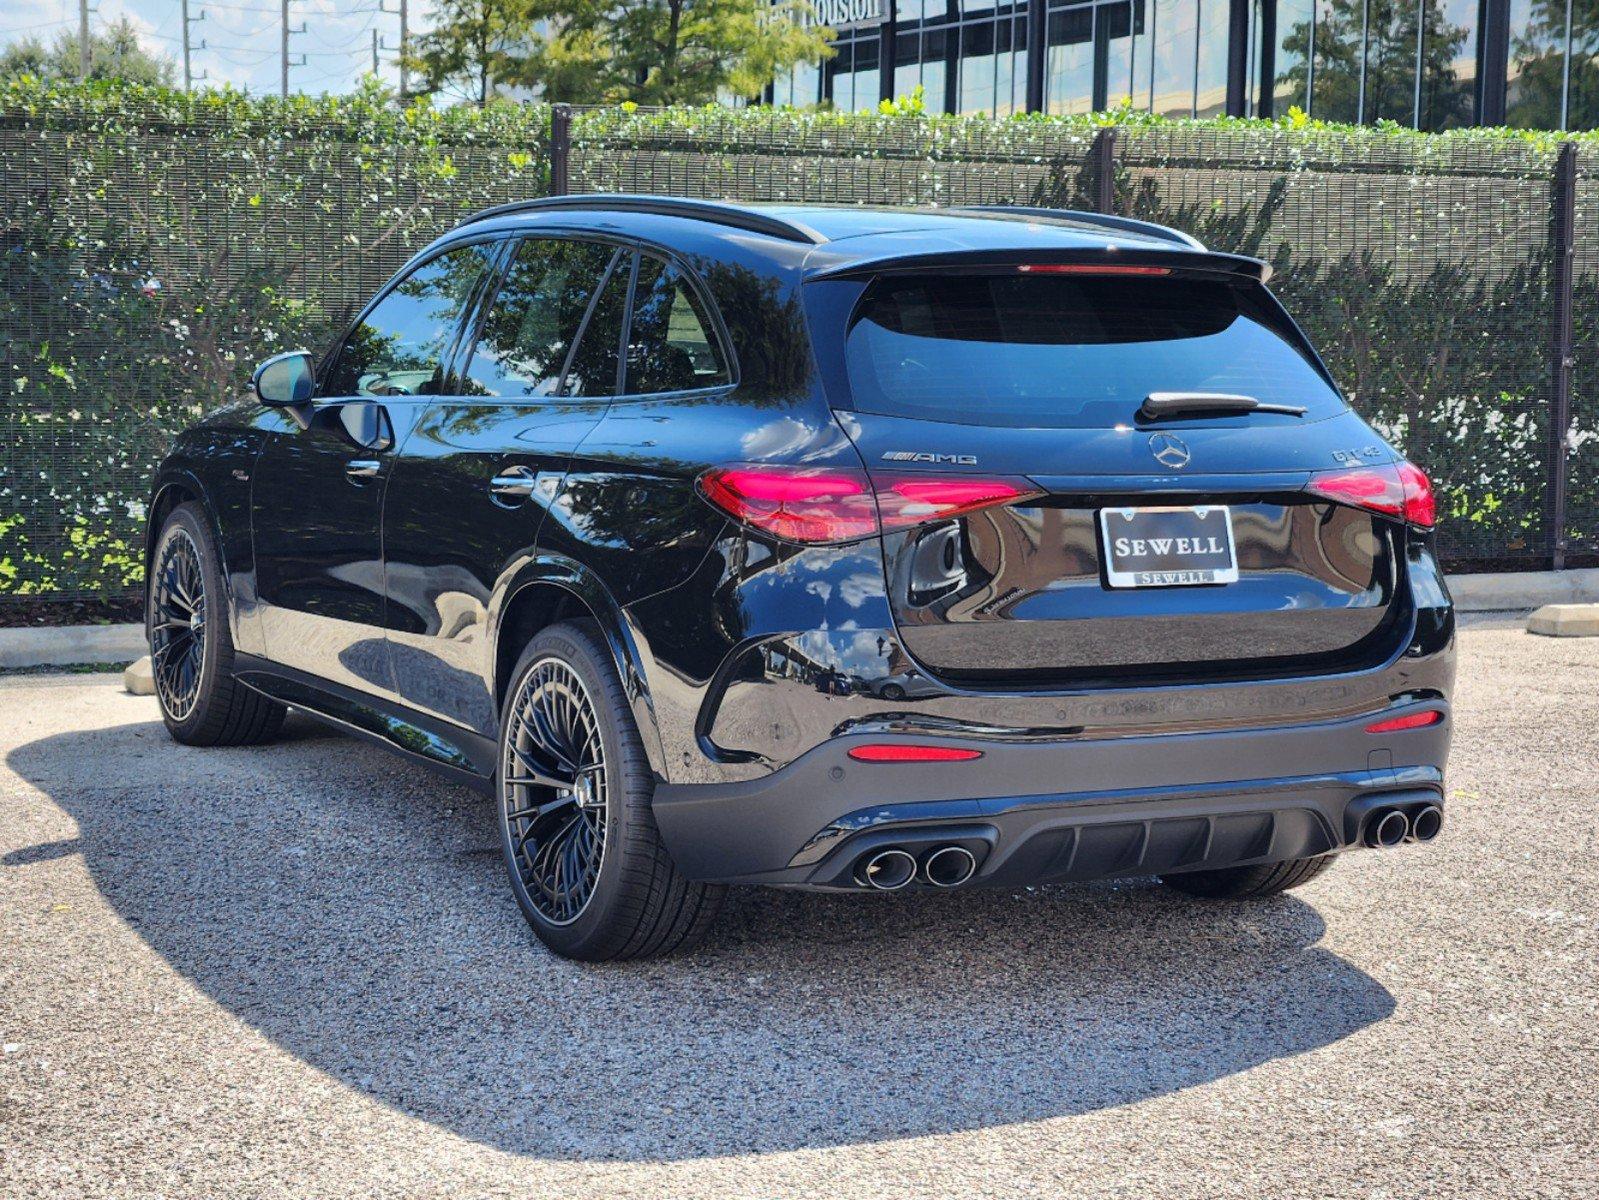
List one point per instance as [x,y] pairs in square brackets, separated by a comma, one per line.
[1390,56]
[114,53]
[473,47]
[665,51]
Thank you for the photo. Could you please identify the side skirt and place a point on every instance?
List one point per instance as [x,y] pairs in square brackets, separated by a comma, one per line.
[459,755]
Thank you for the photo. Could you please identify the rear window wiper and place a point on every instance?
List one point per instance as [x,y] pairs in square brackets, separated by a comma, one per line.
[1186,404]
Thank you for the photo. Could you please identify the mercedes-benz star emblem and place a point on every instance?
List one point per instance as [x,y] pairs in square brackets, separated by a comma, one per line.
[1169,450]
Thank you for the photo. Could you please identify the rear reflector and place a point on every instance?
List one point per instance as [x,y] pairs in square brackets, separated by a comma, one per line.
[899,753]
[821,505]
[1401,490]
[1090,269]
[1417,720]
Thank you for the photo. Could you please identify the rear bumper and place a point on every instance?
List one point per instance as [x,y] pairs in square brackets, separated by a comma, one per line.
[1067,809]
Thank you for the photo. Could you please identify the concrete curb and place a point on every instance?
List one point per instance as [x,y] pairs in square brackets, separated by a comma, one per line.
[66,645]
[1507,591]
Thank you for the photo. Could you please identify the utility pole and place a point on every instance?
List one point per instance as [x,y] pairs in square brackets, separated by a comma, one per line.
[83,40]
[374,53]
[284,49]
[188,73]
[404,13]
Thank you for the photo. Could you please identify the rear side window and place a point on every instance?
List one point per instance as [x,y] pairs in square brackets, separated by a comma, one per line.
[599,352]
[1060,350]
[529,330]
[670,343]
[399,348]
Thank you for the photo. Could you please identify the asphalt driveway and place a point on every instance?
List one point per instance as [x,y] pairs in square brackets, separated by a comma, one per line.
[294,971]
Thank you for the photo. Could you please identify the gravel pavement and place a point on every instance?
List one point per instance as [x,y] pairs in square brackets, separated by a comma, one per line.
[294,971]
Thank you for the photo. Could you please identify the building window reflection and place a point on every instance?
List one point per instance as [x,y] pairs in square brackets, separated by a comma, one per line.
[1415,62]
[1554,65]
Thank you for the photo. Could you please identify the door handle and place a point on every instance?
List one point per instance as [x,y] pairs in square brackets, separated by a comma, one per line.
[514,482]
[361,468]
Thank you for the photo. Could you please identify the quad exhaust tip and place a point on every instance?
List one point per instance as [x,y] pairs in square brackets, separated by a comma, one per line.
[888,870]
[949,866]
[1427,823]
[1387,828]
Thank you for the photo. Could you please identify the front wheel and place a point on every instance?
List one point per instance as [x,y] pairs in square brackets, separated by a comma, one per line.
[1248,883]
[586,863]
[191,649]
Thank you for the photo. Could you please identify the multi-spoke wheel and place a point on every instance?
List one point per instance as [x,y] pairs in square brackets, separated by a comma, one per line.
[555,790]
[585,861]
[191,651]
[177,624]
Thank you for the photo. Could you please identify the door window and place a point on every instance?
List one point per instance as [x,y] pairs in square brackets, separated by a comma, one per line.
[594,365]
[670,346]
[400,347]
[530,328]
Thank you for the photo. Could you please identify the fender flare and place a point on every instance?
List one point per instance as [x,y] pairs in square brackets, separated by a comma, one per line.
[571,576]
[166,480]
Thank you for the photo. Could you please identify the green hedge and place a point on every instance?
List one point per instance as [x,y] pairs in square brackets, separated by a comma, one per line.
[153,245]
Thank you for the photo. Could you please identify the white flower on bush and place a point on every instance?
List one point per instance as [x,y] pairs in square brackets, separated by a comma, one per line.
[136,509]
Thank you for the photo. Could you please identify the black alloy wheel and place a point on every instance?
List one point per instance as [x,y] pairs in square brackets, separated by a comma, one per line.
[177,625]
[586,863]
[191,644]
[555,791]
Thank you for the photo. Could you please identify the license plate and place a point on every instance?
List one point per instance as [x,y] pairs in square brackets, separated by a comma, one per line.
[1168,547]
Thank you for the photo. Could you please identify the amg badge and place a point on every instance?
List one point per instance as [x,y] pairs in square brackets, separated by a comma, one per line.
[960,460]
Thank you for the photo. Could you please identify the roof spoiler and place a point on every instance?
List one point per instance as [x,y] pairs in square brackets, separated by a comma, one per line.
[1179,259]
[1073,216]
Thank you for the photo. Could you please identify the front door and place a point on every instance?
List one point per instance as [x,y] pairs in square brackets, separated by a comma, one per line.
[318,488]
[472,485]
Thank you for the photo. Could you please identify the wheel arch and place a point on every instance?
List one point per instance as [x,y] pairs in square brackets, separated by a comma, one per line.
[172,489]
[551,589]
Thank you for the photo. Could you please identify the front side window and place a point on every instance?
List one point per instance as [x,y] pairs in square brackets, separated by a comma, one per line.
[535,318]
[400,346]
[670,346]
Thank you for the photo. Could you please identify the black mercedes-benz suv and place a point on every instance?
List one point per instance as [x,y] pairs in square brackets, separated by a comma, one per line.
[832,548]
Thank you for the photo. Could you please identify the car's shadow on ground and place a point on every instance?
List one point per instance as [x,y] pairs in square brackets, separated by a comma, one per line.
[352,909]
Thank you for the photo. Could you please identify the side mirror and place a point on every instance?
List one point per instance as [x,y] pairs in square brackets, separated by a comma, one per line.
[285,380]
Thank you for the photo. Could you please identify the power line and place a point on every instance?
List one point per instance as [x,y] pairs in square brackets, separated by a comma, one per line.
[35,26]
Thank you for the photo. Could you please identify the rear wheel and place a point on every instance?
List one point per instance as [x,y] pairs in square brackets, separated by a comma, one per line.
[191,648]
[586,863]
[1248,883]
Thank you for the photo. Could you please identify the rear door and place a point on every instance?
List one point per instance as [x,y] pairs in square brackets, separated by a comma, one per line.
[317,493]
[1142,549]
[482,466]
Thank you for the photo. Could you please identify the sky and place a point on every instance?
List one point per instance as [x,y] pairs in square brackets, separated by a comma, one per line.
[242,36]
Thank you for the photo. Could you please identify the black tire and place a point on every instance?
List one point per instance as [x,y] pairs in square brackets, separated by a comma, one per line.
[635,903]
[211,707]
[893,692]
[1248,883]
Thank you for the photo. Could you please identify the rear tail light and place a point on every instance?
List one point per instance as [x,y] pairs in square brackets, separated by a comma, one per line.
[821,505]
[898,752]
[1402,490]
[1416,720]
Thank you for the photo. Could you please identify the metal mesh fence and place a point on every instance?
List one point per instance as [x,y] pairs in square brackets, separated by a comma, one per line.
[1419,266]
[145,264]
[1582,436]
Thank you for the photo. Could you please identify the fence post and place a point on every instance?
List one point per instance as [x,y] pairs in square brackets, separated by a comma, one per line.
[1105,170]
[1564,228]
[560,148]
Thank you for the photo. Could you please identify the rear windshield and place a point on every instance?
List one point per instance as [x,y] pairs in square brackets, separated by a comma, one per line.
[1038,350]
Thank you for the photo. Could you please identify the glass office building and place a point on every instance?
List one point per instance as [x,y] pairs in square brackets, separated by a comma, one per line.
[1430,64]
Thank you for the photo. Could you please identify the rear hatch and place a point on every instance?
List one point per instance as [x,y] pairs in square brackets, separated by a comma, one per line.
[1217,539]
